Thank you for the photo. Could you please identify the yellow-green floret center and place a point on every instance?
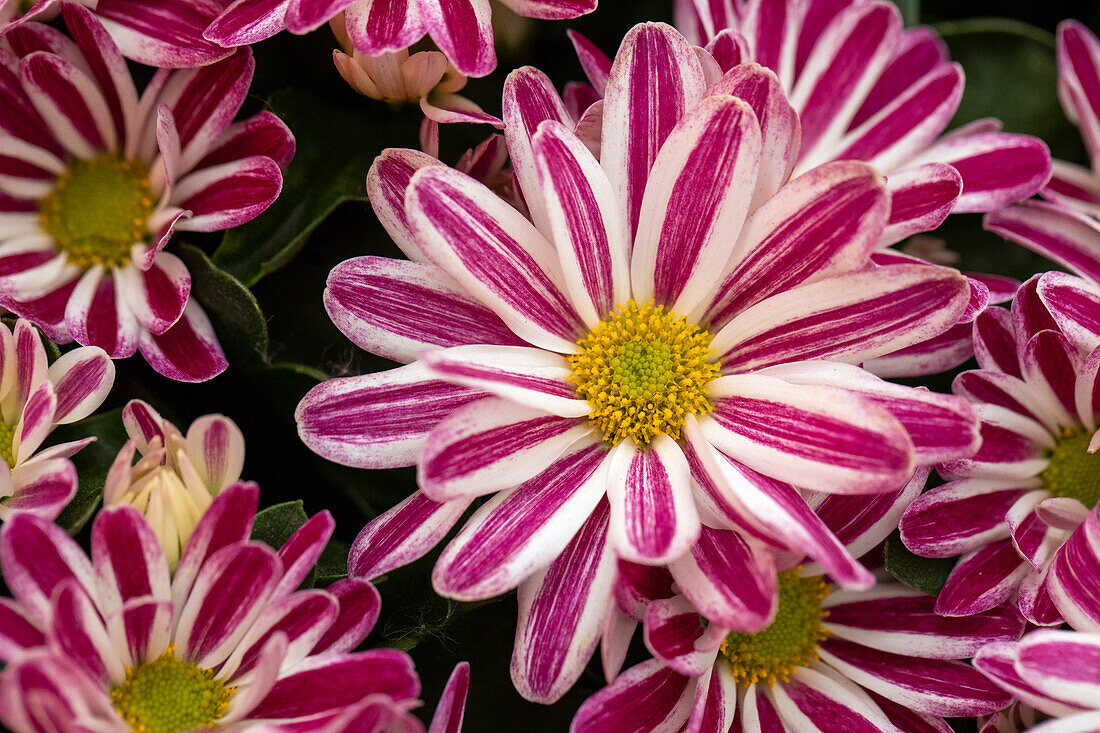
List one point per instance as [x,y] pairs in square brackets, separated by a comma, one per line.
[7,443]
[170,696]
[1074,472]
[98,210]
[643,370]
[791,641]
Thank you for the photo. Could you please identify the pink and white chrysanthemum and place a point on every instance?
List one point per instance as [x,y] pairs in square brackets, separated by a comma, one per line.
[94,179]
[167,33]
[36,397]
[845,660]
[118,643]
[177,476]
[1036,477]
[661,351]
[462,29]
[865,88]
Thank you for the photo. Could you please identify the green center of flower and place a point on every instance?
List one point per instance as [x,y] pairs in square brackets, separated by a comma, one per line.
[7,443]
[170,696]
[1073,472]
[98,210]
[643,371]
[790,642]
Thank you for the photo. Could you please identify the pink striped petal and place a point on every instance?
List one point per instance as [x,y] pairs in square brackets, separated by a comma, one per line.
[245,22]
[676,635]
[216,447]
[995,388]
[520,531]
[300,617]
[845,318]
[1072,579]
[36,421]
[636,586]
[18,634]
[655,79]
[730,580]
[105,62]
[691,210]
[227,195]
[815,437]
[359,607]
[261,134]
[983,579]
[451,708]
[824,223]
[921,50]
[647,697]
[379,26]
[387,181]
[490,445]
[1062,664]
[1079,80]
[921,197]
[188,351]
[653,518]
[42,488]
[96,316]
[227,521]
[830,702]
[397,309]
[941,687]
[377,420]
[36,556]
[561,610]
[70,103]
[530,377]
[141,630]
[960,516]
[1030,314]
[596,64]
[1013,448]
[995,342]
[156,296]
[462,30]
[997,661]
[25,357]
[81,379]
[768,27]
[304,16]
[128,559]
[1075,305]
[301,551]
[495,254]
[551,9]
[402,534]
[1067,237]
[729,49]
[76,631]
[165,34]
[583,216]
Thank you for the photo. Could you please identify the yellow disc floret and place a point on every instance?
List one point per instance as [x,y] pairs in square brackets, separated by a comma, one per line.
[1073,472]
[7,443]
[790,642]
[98,210]
[643,370]
[170,696]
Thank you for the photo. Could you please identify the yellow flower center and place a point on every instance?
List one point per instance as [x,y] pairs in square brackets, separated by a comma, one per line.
[7,443]
[170,696]
[791,641]
[1074,472]
[98,210]
[643,370]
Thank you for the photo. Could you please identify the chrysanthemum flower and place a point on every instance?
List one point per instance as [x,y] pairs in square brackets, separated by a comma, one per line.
[462,29]
[1008,508]
[647,358]
[119,643]
[878,660]
[167,33]
[177,477]
[397,77]
[34,399]
[94,178]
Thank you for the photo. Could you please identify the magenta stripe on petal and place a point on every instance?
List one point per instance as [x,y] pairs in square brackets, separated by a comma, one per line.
[462,30]
[982,580]
[402,534]
[647,697]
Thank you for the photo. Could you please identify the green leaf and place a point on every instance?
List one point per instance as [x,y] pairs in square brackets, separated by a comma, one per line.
[237,318]
[329,167]
[332,565]
[275,525]
[926,574]
[92,463]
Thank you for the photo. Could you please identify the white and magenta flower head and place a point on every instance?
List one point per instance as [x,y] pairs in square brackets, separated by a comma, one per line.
[35,397]
[671,345]
[119,643]
[867,89]
[873,660]
[167,33]
[177,477]
[462,29]
[95,178]
[1036,477]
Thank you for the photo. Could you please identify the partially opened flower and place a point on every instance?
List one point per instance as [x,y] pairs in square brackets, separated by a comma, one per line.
[177,477]
[167,33]
[648,357]
[1036,477]
[35,397]
[462,29]
[95,179]
[118,643]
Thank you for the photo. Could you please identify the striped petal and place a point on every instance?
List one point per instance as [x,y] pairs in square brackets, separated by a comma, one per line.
[1067,237]
[379,26]
[1075,305]
[36,556]
[128,559]
[81,380]
[188,351]
[227,195]
[1072,579]
[387,182]
[647,698]
[983,579]
[245,22]
[402,534]
[1062,664]
[921,197]
[164,34]
[462,30]
[70,103]
[960,516]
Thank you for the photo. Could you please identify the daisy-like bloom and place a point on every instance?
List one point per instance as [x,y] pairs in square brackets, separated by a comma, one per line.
[870,660]
[167,33]
[94,178]
[118,643]
[461,29]
[648,357]
[1008,508]
[397,77]
[35,397]
[177,477]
